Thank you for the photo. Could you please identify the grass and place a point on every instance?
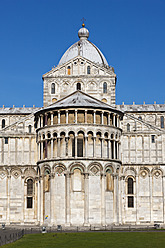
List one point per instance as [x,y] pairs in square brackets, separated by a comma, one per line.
[92,240]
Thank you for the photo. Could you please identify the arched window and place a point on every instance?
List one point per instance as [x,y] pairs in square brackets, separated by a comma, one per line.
[104,87]
[130,192]
[53,88]
[30,128]
[80,145]
[3,123]
[29,187]
[78,86]
[128,127]
[88,70]
[29,193]
[162,122]
[69,71]
[130,186]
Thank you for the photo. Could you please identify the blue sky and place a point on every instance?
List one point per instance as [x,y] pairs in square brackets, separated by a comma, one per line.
[35,34]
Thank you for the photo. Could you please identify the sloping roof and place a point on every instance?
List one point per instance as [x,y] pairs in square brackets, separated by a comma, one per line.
[15,111]
[142,108]
[79,99]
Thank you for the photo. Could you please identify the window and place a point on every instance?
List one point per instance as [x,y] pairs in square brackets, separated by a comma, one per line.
[140,118]
[3,123]
[130,192]
[130,201]
[29,202]
[162,122]
[153,138]
[128,127]
[78,86]
[104,87]
[6,141]
[30,128]
[29,187]
[29,193]
[53,88]
[130,186]
[79,147]
[88,70]
[68,68]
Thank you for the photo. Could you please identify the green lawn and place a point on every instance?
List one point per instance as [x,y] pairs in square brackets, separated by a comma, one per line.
[93,240]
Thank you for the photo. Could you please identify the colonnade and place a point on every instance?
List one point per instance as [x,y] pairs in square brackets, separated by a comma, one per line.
[80,144]
[78,116]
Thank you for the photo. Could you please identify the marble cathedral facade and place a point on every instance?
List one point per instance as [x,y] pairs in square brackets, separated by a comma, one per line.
[82,160]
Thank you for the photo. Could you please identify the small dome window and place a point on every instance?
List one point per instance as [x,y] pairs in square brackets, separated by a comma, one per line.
[104,87]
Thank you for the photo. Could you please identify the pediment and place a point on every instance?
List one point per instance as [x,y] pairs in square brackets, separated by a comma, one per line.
[97,69]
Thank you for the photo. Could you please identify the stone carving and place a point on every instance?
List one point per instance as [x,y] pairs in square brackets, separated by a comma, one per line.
[3,174]
[16,173]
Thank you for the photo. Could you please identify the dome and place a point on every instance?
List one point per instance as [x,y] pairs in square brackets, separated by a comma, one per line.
[84,48]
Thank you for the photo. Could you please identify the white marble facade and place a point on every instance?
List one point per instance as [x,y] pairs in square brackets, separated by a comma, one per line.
[81,159]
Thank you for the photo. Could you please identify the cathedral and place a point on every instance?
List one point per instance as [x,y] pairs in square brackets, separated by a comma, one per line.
[81,160]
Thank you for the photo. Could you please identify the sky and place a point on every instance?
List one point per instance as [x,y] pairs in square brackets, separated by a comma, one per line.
[34,34]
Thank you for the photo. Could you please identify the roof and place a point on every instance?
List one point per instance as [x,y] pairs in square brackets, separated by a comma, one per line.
[14,111]
[79,99]
[84,48]
[142,108]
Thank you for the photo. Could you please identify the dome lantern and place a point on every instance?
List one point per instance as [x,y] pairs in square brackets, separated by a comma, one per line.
[83,32]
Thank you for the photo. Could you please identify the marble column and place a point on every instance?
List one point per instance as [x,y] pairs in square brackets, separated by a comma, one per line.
[66,116]
[46,119]
[103,222]
[94,117]
[51,118]
[51,148]
[58,116]
[67,199]
[86,199]
[114,115]
[85,116]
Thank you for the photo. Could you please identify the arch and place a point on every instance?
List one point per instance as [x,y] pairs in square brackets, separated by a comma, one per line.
[59,168]
[3,123]
[45,167]
[109,167]
[104,87]
[109,178]
[106,135]
[55,134]
[130,171]
[48,134]
[97,165]
[147,170]
[77,165]
[53,88]
[156,172]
